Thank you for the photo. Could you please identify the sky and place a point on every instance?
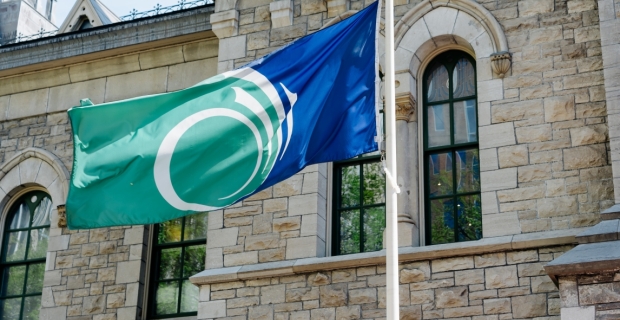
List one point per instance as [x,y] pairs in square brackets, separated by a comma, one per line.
[119,7]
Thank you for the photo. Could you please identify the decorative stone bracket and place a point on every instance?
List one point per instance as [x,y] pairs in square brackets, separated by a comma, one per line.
[500,63]
[281,13]
[62,216]
[225,24]
[405,108]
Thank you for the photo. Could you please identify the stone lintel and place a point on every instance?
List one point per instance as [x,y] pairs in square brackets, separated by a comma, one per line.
[589,258]
[606,230]
[406,254]
[281,13]
[225,24]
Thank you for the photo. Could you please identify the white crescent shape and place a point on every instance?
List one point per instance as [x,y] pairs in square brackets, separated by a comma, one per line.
[163,160]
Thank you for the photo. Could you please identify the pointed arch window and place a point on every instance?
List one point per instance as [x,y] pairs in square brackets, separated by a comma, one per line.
[451,157]
[24,247]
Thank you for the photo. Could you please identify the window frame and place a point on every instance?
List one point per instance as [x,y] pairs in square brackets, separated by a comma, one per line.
[454,55]
[5,232]
[154,258]
[336,199]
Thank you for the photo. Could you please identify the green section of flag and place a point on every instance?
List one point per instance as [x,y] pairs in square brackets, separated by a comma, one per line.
[116,145]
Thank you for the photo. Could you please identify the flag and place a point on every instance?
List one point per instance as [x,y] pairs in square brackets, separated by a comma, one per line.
[159,157]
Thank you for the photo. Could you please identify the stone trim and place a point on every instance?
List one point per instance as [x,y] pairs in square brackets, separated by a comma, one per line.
[406,254]
[225,24]
[589,258]
[281,13]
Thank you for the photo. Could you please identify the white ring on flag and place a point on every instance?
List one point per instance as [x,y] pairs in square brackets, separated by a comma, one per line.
[163,160]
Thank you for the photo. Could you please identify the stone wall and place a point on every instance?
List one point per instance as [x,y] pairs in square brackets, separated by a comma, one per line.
[590,296]
[502,285]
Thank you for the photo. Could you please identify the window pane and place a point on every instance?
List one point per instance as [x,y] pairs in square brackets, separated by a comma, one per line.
[374,223]
[35,278]
[31,308]
[170,264]
[196,226]
[16,248]
[42,213]
[170,231]
[470,218]
[374,183]
[440,174]
[194,260]
[442,221]
[167,297]
[350,187]
[38,243]
[350,231]
[467,171]
[13,281]
[438,127]
[437,84]
[463,79]
[189,297]
[465,121]
[21,219]
[10,309]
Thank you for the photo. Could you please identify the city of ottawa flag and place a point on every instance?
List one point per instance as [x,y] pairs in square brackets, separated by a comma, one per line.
[155,158]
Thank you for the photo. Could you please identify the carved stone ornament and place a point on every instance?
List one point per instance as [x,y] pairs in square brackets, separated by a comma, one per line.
[500,63]
[405,108]
[62,216]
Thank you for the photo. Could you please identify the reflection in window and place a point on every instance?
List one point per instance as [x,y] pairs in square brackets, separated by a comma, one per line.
[453,209]
[23,256]
[359,206]
[178,253]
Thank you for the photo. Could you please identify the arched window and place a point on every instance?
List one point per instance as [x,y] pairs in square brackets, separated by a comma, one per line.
[451,161]
[24,247]
[179,251]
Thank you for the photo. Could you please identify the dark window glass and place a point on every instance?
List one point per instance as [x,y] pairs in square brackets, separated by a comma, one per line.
[451,159]
[22,265]
[179,252]
[358,206]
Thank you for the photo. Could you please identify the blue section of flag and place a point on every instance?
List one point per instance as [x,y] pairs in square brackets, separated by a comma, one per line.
[333,73]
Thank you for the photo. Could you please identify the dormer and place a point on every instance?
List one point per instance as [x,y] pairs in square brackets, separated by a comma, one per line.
[86,14]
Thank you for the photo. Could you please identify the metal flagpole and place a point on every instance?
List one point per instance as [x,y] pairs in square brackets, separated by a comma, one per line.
[391,234]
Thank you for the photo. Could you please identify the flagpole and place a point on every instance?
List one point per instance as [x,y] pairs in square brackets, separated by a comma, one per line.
[391,234]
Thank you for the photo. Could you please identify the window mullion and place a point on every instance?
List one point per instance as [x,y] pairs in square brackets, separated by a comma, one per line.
[361,210]
[182,277]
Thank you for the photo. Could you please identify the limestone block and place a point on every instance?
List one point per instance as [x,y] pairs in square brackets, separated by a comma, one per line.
[238,259]
[264,312]
[58,243]
[497,135]
[185,75]
[136,84]
[261,242]
[27,104]
[212,309]
[62,98]
[533,7]
[490,260]
[126,313]
[302,294]
[104,68]
[490,90]
[582,80]
[93,305]
[467,27]
[161,57]
[501,277]
[222,237]
[309,7]
[588,135]
[334,295]
[128,271]
[225,23]
[346,275]
[361,296]
[488,159]
[46,176]
[578,313]
[134,235]
[281,13]
[441,21]
[521,110]
[258,40]
[417,35]
[289,187]
[513,156]
[33,81]
[554,207]
[489,202]
[462,312]
[350,312]
[467,277]
[303,204]
[275,205]
[451,264]
[494,306]
[215,258]
[336,7]
[586,34]
[323,314]
[581,5]
[232,48]
[585,157]
[201,50]
[304,247]
[500,224]
[542,284]
[535,172]
[288,32]
[529,306]
[412,275]
[58,313]
[498,179]
[286,224]
[451,297]
[537,133]
[272,294]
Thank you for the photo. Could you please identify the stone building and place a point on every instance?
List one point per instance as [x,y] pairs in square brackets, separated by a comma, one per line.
[507,122]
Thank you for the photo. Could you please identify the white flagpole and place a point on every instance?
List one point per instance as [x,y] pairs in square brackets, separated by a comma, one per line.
[391,234]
